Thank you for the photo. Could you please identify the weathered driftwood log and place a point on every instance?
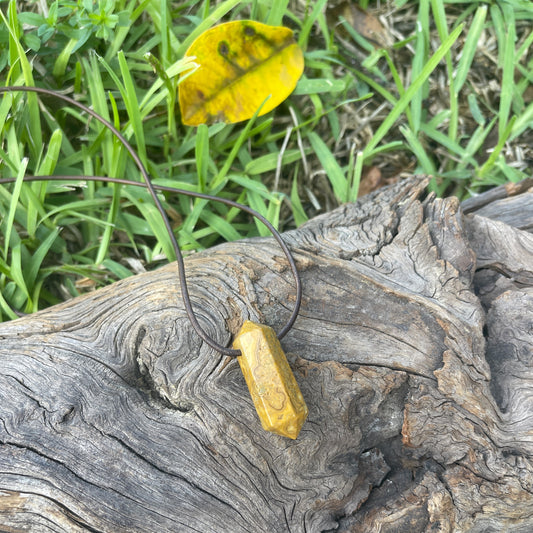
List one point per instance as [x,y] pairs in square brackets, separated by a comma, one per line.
[413,350]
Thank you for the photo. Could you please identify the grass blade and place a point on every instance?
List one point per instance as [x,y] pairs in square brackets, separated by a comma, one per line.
[129,96]
[487,166]
[507,79]
[18,57]
[470,46]
[419,59]
[298,212]
[202,155]
[32,267]
[416,146]
[13,205]
[404,100]
[220,226]
[356,174]
[17,275]
[333,171]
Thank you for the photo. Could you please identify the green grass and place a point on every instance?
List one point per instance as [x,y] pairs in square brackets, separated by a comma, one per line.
[449,96]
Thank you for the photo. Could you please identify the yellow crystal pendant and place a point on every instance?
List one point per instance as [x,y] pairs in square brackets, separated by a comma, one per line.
[275,393]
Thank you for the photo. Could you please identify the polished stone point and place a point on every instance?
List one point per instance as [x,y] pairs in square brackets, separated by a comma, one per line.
[275,393]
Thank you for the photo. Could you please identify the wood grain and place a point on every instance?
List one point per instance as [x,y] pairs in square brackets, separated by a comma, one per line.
[413,351]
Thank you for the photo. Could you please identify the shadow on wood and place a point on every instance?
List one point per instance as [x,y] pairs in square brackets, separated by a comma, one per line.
[413,351]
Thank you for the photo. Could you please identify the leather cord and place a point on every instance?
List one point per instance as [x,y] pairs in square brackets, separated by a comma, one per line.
[152,190]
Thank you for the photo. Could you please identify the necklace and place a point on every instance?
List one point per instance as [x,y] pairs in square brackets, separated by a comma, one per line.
[277,398]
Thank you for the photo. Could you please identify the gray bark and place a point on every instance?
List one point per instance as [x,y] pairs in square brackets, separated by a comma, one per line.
[413,350]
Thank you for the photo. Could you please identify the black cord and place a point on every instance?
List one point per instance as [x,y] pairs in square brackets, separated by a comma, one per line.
[152,189]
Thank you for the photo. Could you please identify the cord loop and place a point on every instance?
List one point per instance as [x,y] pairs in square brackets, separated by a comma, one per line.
[152,189]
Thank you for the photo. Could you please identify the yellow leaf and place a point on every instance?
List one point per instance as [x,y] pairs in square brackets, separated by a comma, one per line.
[241,63]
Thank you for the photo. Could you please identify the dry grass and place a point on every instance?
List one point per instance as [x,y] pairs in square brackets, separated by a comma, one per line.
[478,102]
